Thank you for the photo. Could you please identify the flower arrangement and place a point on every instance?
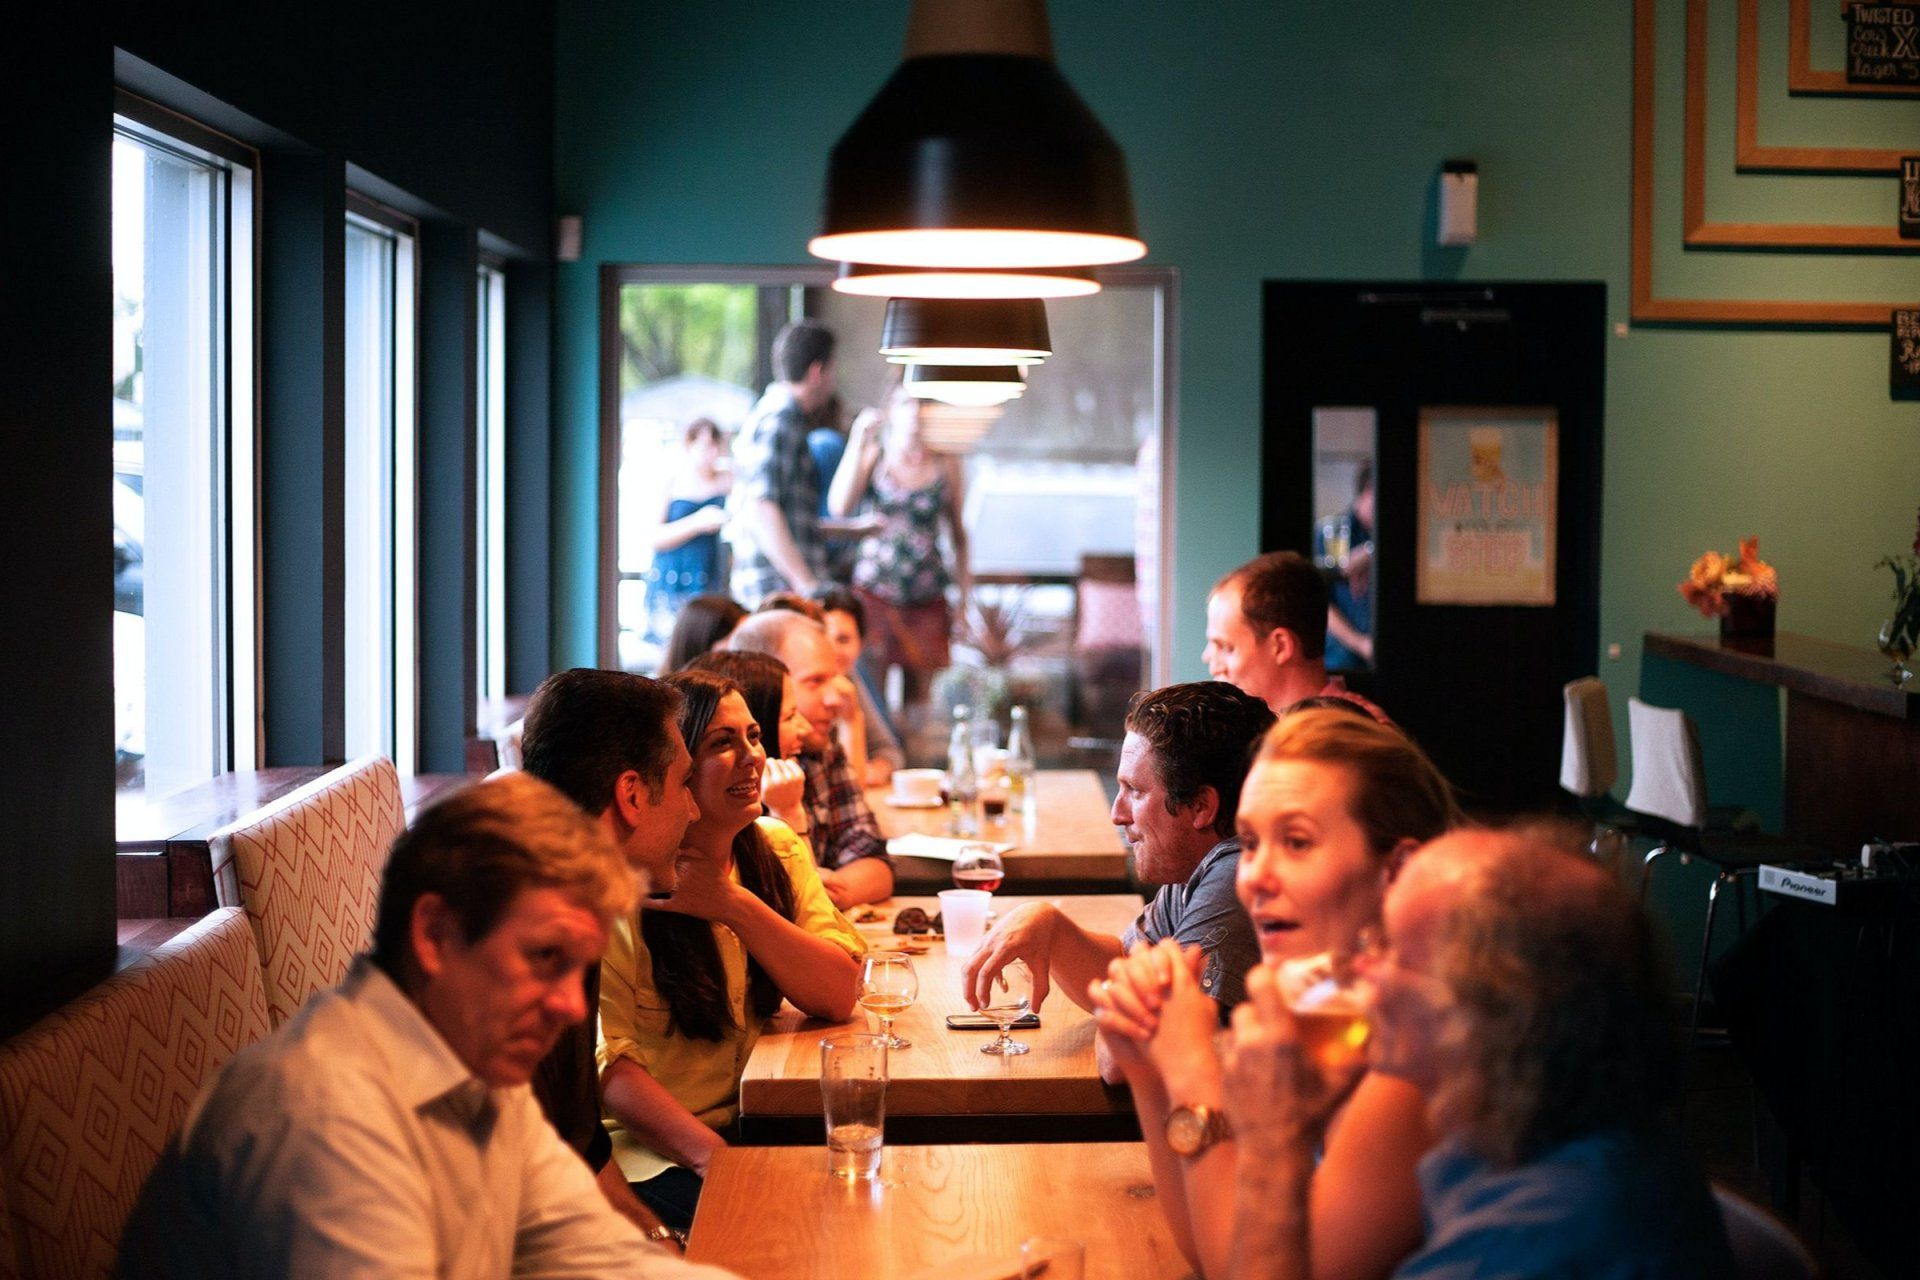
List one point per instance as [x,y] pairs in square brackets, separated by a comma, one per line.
[1901,633]
[1716,584]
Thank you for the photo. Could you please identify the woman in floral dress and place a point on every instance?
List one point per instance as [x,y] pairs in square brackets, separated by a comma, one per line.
[902,573]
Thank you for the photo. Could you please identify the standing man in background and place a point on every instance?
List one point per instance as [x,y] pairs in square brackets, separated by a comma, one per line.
[778,534]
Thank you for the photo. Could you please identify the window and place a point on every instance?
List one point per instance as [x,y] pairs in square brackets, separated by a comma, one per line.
[1068,508]
[490,489]
[183,581]
[381,701]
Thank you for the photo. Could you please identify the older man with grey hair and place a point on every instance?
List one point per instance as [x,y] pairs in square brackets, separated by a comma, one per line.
[1524,992]
[386,1129]
[846,840]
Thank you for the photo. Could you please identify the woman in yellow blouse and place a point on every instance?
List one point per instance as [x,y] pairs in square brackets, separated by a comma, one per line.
[685,990]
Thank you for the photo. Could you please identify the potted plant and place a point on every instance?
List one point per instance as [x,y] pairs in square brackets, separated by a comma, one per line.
[1743,593]
[1900,633]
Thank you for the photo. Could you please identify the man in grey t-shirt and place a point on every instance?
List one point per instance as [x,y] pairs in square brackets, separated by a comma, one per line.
[1181,767]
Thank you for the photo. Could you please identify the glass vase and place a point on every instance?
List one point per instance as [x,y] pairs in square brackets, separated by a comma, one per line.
[1896,641]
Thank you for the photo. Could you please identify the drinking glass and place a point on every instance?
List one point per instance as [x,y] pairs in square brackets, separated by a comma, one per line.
[888,987]
[853,1099]
[1328,999]
[963,918]
[977,866]
[1012,996]
[1052,1258]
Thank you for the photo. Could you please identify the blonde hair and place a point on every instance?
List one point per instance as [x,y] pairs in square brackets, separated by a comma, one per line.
[1398,793]
[484,844]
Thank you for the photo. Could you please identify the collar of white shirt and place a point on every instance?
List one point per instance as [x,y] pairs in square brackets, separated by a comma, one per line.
[425,1066]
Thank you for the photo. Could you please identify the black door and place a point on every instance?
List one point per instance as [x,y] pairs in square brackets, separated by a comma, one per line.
[1477,684]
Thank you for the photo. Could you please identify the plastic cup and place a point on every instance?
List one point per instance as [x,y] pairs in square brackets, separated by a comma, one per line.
[853,1100]
[963,913]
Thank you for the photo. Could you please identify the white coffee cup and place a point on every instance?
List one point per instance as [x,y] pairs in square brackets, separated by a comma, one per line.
[963,916]
[918,786]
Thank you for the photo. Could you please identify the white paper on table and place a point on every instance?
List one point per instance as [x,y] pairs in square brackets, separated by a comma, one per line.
[943,848]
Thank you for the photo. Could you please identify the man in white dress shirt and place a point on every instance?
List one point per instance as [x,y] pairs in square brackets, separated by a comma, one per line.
[387,1129]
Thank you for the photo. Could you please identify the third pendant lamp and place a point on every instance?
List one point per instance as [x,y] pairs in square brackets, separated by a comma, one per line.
[977,153]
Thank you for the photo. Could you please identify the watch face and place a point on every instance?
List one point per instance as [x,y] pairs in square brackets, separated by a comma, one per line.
[1185,1131]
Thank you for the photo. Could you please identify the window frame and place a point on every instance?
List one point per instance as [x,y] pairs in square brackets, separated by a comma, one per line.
[404,554]
[490,483]
[614,276]
[236,350]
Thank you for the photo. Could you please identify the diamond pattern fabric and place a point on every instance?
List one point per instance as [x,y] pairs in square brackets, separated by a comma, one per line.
[308,870]
[91,1094]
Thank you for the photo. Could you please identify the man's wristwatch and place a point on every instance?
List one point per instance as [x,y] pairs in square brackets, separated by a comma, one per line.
[1191,1130]
[663,1233]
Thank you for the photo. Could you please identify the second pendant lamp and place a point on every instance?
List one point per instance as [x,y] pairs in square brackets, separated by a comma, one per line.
[966,331]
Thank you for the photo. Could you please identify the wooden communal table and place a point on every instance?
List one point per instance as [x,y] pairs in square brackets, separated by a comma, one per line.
[1853,736]
[946,1211]
[944,1075]
[1067,845]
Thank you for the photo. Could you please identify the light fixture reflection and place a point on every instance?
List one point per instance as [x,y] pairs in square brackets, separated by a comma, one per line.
[868,281]
[968,386]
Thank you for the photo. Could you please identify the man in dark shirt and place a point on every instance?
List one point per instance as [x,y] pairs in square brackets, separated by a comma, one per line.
[610,742]
[1267,634]
[1182,764]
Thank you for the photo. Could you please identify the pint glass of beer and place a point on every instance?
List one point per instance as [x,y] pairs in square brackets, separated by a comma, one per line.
[1328,1001]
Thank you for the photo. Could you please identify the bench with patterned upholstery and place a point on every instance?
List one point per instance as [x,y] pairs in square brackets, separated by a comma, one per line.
[307,870]
[90,1095]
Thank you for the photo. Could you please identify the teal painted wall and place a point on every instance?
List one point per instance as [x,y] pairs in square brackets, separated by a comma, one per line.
[1271,140]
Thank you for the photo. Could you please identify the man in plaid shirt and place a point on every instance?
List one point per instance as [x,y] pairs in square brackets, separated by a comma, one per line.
[776,530]
[846,840]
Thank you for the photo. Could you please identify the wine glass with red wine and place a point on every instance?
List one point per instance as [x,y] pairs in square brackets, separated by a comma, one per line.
[978,866]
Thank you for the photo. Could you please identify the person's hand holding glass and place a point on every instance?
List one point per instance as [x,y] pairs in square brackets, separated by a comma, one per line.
[888,988]
[1010,996]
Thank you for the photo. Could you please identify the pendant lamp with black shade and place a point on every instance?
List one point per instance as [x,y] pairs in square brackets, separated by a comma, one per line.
[977,153]
[976,331]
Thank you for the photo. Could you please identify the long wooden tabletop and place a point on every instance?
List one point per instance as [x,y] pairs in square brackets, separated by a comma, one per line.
[1067,840]
[947,1211]
[944,1073]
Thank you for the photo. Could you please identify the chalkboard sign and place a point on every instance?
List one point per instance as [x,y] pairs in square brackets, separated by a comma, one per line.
[1883,43]
[1910,197]
[1906,353]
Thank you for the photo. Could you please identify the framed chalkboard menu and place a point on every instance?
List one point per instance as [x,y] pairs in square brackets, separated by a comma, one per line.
[1883,43]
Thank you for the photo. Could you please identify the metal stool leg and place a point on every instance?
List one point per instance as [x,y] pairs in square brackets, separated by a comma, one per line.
[1646,868]
[1706,949]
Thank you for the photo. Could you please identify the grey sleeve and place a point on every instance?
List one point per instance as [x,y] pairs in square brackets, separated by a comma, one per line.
[1215,922]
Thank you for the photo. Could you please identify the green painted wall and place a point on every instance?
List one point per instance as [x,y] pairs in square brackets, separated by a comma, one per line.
[1271,140]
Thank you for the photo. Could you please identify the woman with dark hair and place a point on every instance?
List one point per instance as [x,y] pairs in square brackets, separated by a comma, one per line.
[768,688]
[686,987]
[704,622]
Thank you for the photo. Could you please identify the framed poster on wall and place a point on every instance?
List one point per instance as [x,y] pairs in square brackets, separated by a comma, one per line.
[1489,498]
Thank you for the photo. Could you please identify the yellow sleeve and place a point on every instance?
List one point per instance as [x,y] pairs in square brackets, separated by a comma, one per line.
[632,1016]
[813,909]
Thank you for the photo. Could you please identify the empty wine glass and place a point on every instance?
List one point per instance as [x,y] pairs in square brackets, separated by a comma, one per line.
[1012,996]
[888,987]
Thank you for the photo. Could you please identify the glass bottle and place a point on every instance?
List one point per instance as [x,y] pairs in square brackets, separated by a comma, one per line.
[1020,762]
[963,784]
